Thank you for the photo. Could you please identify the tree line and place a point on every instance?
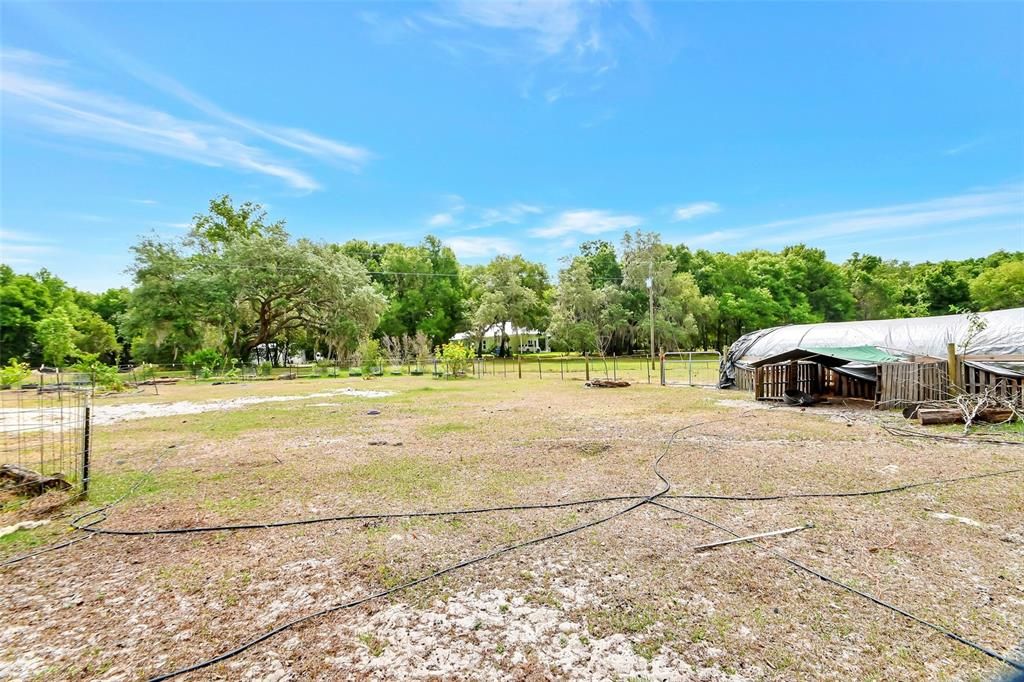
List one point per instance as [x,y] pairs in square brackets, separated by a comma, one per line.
[240,286]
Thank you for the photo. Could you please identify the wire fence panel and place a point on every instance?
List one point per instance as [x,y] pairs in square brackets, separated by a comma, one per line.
[691,369]
[47,430]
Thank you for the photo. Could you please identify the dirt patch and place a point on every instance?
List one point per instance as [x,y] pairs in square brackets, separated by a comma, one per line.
[111,414]
[629,598]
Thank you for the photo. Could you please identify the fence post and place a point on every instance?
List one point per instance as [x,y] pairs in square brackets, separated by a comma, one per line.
[689,365]
[661,361]
[648,364]
[561,367]
[540,372]
[615,366]
[519,365]
[586,360]
[951,368]
[86,447]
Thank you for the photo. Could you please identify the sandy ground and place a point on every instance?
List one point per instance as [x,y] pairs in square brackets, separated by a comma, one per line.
[627,599]
[47,419]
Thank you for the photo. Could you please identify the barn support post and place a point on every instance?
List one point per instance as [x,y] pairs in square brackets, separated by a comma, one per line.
[951,365]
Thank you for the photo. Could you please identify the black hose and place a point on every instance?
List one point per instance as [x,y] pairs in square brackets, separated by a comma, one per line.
[75,523]
[892,607]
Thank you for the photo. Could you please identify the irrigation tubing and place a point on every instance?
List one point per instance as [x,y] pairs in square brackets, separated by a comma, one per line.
[1018,665]
[90,527]
[665,486]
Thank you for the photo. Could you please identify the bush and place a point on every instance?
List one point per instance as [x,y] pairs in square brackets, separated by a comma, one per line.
[14,373]
[265,369]
[456,358]
[203,362]
[369,356]
[102,375]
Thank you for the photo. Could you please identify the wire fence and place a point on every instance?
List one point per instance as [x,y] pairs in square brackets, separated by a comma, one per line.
[47,430]
[697,368]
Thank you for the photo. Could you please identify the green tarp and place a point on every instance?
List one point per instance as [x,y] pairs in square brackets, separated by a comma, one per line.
[868,355]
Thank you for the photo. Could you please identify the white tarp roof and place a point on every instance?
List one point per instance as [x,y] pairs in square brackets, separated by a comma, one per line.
[921,336]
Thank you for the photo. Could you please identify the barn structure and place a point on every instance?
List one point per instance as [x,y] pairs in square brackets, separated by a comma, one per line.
[891,363]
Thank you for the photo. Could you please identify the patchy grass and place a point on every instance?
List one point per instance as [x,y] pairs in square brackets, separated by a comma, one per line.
[487,442]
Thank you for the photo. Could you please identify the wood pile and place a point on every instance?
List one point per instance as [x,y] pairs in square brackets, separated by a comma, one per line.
[953,415]
[606,383]
[14,476]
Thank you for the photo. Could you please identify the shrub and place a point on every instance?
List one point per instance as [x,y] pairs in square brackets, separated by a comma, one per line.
[145,371]
[369,356]
[455,357]
[203,362]
[14,373]
[265,369]
[102,375]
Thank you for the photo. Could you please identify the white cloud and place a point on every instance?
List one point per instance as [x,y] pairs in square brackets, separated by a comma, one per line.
[145,202]
[481,247]
[550,25]
[691,211]
[959,210]
[21,248]
[513,214]
[961,148]
[550,41]
[587,221]
[441,219]
[45,101]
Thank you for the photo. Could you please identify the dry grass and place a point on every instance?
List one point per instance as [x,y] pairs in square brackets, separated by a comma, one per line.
[626,599]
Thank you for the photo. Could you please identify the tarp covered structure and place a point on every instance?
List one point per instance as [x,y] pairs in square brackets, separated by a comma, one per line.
[859,345]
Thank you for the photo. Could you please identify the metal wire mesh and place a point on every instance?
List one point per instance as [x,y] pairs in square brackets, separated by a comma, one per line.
[691,368]
[45,429]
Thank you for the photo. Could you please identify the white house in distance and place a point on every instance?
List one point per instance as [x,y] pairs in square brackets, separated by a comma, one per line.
[519,338]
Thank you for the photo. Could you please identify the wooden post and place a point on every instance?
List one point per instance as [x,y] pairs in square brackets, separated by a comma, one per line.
[615,366]
[648,371]
[519,365]
[561,367]
[540,371]
[951,368]
[661,361]
[586,360]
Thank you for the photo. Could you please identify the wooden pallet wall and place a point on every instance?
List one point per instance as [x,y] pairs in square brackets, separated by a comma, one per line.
[976,380]
[905,383]
[772,381]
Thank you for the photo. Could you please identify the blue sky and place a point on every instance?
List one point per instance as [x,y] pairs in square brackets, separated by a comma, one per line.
[895,129]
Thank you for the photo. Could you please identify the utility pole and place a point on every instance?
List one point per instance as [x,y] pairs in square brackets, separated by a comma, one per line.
[650,303]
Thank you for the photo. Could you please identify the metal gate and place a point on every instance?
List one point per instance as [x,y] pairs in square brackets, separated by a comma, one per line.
[690,368]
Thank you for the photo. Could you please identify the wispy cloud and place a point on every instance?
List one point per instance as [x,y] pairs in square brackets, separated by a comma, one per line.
[961,148]
[455,206]
[145,202]
[691,211]
[481,247]
[21,248]
[548,26]
[513,214]
[923,217]
[42,98]
[587,221]
[441,220]
[558,42]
